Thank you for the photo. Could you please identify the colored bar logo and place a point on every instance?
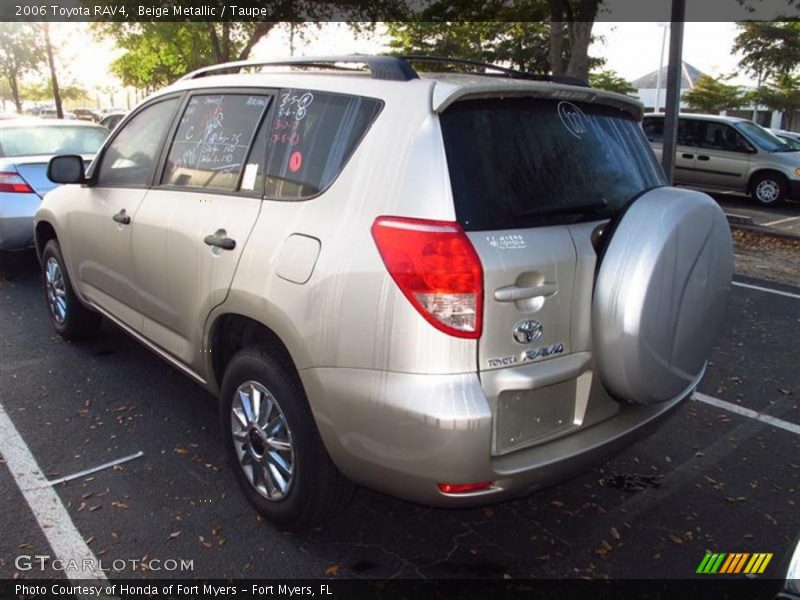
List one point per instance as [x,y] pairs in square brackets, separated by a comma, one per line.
[734,563]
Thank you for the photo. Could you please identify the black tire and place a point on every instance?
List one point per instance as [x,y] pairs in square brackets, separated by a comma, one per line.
[769,189]
[77,322]
[317,489]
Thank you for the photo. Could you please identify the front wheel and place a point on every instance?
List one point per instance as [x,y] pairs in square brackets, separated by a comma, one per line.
[71,319]
[769,189]
[274,446]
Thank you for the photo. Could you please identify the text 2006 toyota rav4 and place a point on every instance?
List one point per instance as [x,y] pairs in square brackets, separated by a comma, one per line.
[452,288]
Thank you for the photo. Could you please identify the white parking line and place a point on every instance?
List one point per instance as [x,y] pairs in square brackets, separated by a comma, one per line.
[779,221]
[50,513]
[746,412]
[767,290]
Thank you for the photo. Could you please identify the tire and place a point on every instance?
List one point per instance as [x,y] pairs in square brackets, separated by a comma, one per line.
[769,189]
[312,489]
[70,318]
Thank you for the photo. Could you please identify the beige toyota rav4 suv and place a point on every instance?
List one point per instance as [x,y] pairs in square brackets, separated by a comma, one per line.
[454,288]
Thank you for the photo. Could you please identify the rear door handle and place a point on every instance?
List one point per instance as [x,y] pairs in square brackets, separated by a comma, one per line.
[703,157]
[122,218]
[686,155]
[512,293]
[225,243]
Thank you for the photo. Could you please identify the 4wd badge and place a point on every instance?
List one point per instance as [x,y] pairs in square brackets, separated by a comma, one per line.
[527,332]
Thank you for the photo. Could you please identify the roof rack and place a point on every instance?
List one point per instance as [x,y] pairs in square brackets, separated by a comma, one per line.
[382,67]
[501,71]
[392,68]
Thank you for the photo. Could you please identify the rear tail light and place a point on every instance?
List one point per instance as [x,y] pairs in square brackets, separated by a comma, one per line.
[437,269]
[464,488]
[12,182]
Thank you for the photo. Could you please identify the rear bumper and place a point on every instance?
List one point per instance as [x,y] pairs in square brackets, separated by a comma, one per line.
[405,433]
[16,220]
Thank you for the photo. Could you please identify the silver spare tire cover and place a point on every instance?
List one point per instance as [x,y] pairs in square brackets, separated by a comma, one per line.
[661,294]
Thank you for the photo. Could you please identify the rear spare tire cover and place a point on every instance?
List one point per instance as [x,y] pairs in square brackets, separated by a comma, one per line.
[661,295]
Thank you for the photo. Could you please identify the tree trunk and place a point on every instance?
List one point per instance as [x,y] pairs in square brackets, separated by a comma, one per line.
[557,47]
[580,38]
[53,78]
[260,31]
[14,85]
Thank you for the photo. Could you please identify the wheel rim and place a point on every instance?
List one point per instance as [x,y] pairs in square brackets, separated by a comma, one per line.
[768,191]
[56,290]
[263,441]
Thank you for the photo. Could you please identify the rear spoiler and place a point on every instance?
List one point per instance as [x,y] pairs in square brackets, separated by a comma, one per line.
[446,93]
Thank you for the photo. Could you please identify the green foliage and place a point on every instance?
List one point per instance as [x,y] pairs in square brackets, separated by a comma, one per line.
[21,52]
[782,94]
[43,91]
[711,95]
[521,45]
[157,53]
[768,48]
[612,81]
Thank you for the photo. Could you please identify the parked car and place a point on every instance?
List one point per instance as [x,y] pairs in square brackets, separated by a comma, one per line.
[111,120]
[792,138]
[51,113]
[453,288]
[791,586]
[727,153]
[26,146]
[86,114]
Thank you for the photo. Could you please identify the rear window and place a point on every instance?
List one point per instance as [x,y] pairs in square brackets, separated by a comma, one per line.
[41,140]
[525,162]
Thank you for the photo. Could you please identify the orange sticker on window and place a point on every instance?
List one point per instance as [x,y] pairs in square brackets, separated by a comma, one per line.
[295,162]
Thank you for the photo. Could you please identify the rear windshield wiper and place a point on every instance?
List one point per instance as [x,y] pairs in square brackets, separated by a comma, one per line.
[577,208]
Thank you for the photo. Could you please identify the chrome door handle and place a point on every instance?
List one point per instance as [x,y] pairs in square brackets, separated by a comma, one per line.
[512,293]
[225,243]
[122,218]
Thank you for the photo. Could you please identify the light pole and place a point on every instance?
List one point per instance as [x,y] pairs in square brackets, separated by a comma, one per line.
[657,102]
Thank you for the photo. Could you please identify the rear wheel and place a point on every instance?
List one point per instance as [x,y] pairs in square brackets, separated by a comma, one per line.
[71,319]
[273,443]
[769,188]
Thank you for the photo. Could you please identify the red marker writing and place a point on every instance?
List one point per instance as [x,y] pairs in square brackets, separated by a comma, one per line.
[295,162]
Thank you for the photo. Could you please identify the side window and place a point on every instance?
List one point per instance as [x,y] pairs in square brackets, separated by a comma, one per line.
[212,141]
[689,132]
[719,136]
[312,136]
[131,157]
[654,130]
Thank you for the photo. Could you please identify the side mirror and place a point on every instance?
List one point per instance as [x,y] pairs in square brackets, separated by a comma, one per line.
[66,169]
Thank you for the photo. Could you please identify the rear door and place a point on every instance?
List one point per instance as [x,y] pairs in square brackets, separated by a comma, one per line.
[685,151]
[192,227]
[532,179]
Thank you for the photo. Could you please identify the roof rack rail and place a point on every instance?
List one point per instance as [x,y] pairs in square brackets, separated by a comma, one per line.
[512,73]
[392,68]
[382,67]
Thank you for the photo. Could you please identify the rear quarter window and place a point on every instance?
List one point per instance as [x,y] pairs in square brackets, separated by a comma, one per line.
[310,139]
[524,162]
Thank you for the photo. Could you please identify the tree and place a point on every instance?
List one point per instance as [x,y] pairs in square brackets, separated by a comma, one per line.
[571,23]
[522,46]
[710,95]
[768,48]
[612,81]
[51,63]
[42,90]
[21,52]
[781,94]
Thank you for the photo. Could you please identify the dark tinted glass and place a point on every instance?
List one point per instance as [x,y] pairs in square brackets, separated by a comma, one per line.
[719,136]
[311,138]
[130,158]
[525,162]
[654,129]
[212,141]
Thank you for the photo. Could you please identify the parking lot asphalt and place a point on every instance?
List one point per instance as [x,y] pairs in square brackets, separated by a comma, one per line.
[713,480]
[782,219]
